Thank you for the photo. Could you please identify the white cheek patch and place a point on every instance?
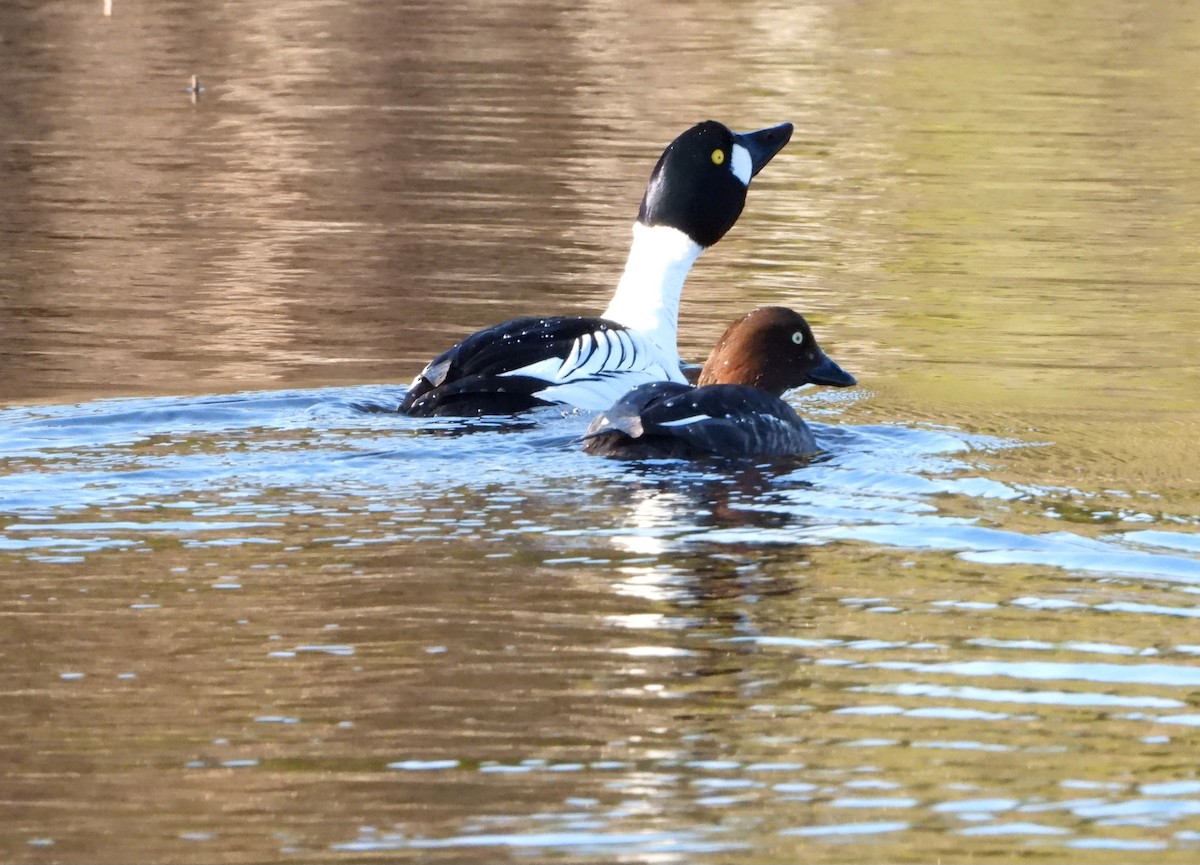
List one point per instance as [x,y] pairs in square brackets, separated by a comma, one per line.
[741,165]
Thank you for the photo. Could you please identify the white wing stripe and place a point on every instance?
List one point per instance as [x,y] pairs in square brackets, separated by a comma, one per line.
[573,357]
[616,354]
[684,421]
[627,347]
[590,365]
[600,367]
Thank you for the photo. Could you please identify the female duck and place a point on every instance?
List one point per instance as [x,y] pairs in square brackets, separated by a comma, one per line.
[736,410]
[695,195]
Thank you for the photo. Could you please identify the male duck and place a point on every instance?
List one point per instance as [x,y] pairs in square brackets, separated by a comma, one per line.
[695,195]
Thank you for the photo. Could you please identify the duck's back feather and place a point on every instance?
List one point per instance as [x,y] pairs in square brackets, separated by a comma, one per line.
[527,362]
[666,419]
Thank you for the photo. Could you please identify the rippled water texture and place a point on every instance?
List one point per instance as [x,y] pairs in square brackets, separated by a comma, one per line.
[245,620]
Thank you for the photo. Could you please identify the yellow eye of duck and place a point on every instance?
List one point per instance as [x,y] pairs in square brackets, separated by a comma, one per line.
[798,337]
[718,157]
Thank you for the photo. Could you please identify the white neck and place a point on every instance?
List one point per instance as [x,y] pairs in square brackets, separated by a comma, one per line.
[647,297]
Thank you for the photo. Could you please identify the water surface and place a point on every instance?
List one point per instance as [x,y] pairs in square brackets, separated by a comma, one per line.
[245,620]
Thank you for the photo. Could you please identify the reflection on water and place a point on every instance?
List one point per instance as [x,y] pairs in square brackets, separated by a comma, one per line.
[573,655]
[270,626]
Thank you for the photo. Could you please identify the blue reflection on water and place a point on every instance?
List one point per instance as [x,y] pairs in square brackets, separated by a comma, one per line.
[212,458]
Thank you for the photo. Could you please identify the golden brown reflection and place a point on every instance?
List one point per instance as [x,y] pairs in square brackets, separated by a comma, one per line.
[991,219]
[265,705]
[984,230]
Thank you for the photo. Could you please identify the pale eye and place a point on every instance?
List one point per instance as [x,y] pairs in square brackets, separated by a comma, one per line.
[718,157]
[798,337]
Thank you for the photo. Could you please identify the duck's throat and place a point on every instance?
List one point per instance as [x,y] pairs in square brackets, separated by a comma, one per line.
[647,297]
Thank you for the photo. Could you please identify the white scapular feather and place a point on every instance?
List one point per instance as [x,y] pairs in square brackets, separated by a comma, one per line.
[599,368]
[684,421]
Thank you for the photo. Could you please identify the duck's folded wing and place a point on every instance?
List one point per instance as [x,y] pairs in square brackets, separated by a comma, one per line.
[601,367]
[625,415]
[584,361]
[496,351]
[730,420]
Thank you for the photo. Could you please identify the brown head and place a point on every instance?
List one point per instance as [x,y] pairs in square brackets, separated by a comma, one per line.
[774,349]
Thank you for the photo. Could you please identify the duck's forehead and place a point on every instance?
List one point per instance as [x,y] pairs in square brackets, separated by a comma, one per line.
[713,129]
[775,316]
